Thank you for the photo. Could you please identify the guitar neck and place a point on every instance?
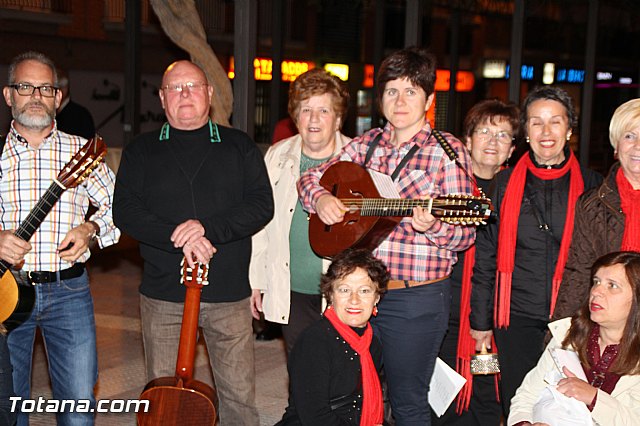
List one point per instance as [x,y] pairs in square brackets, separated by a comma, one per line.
[388,206]
[36,216]
[188,333]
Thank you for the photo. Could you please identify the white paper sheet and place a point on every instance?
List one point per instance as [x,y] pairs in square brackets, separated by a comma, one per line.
[556,409]
[569,359]
[384,184]
[445,385]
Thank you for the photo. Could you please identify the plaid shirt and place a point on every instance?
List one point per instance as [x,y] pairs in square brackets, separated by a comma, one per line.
[27,173]
[409,255]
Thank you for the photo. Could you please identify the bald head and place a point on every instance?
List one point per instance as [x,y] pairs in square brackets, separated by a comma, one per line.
[182,66]
[185,95]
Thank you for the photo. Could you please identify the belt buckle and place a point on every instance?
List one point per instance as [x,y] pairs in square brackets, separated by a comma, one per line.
[30,278]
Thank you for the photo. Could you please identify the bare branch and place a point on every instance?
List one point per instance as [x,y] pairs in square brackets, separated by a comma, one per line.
[181,22]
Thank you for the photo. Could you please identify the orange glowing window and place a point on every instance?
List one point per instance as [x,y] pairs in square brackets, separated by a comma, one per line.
[464,81]
[262,69]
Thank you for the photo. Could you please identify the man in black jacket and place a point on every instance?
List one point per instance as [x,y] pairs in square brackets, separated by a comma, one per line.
[71,117]
[194,188]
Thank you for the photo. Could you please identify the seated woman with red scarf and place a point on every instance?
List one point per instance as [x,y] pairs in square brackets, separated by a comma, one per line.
[605,333]
[334,364]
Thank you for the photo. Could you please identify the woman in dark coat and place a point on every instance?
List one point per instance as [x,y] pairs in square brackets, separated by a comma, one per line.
[603,218]
[521,256]
[489,130]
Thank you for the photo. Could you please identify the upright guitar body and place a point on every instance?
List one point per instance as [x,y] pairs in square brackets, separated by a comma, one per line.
[180,400]
[17,299]
[370,218]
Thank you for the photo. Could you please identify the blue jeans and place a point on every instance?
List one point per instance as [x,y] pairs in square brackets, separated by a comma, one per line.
[411,324]
[64,313]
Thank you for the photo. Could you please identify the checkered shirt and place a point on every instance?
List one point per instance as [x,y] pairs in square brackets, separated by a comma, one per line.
[25,176]
[409,255]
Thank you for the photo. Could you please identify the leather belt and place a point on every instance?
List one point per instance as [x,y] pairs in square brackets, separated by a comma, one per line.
[41,277]
[397,284]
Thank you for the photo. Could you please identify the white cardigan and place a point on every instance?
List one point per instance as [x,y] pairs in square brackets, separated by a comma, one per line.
[621,408]
[269,267]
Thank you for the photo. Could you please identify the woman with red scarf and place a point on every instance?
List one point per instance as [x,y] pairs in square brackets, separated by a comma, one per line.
[521,256]
[334,364]
[608,217]
[605,334]
[490,128]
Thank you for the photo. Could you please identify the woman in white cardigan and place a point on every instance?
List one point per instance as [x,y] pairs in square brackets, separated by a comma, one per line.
[605,334]
[284,272]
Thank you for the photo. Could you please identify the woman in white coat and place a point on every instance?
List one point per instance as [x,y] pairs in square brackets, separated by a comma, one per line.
[605,333]
[285,272]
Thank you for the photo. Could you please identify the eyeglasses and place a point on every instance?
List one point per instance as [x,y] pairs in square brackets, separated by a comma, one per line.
[485,135]
[25,89]
[179,87]
[363,293]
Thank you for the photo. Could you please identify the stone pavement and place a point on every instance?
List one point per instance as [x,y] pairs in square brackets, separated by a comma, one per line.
[115,274]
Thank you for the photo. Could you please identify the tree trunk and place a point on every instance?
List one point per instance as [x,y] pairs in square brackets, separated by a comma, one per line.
[181,22]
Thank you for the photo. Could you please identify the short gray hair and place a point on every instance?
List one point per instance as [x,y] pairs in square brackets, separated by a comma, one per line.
[31,56]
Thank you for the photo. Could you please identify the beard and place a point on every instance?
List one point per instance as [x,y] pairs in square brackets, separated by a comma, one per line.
[31,120]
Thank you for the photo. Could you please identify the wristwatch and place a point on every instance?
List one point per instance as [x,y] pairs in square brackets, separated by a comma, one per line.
[96,230]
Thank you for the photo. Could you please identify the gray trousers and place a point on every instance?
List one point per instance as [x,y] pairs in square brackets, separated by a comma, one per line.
[229,337]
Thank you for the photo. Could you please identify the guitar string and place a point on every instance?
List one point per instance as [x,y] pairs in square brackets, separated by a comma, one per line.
[35,217]
[402,203]
[446,207]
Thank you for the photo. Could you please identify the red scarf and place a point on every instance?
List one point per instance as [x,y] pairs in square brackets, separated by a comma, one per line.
[466,343]
[372,409]
[508,232]
[629,202]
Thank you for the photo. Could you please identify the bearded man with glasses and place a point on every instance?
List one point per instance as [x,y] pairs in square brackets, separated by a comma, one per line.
[33,154]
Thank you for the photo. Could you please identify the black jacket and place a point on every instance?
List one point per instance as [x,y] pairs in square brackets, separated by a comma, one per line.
[324,372]
[536,250]
[76,120]
[162,183]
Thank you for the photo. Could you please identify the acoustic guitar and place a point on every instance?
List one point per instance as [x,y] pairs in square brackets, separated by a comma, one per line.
[17,299]
[370,218]
[181,400]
